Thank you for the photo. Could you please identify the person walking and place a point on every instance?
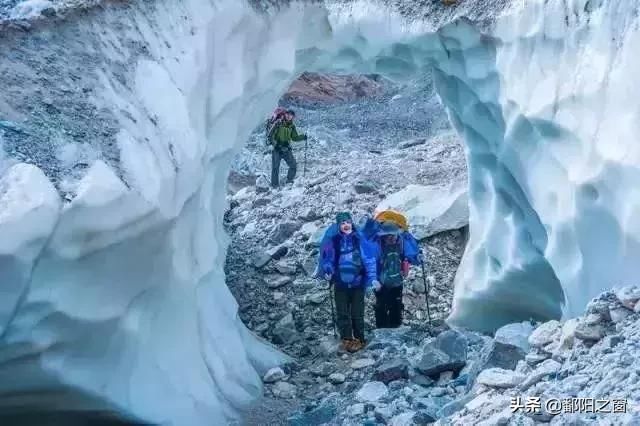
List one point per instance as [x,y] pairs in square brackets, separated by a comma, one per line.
[280,135]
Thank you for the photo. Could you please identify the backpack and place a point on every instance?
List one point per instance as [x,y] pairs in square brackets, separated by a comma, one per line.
[273,122]
[356,260]
[391,264]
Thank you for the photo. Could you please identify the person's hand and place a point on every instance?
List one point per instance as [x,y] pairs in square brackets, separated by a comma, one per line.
[376,285]
[304,137]
[327,276]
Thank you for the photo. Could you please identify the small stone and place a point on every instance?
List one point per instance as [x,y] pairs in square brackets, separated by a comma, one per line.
[262,184]
[329,346]
[423,418]
[445,377]
[363,187]
[273,375]
[355,410]
[371,392]
[274,282]
[278,295]
[317,298]
[403,419]
[323,369]
[362,363]
[286,268]
[284,390]
[500,378]
[260,259]
[337,378]
[384,413]
[534,358]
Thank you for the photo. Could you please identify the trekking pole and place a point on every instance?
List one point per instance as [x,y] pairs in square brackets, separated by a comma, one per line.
[426,289]
[304,164]
[333,312]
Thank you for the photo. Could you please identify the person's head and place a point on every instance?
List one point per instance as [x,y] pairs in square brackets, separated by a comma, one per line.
[345,222]
[289,115]
[389,233]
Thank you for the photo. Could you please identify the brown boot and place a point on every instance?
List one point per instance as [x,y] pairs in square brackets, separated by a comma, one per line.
[346,344]
[356,345]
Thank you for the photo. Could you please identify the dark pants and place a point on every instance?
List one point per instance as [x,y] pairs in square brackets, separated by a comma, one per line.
[350,312]
[389,307]
[278,154]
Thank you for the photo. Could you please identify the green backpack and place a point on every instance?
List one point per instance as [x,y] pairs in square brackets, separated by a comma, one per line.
[390,265]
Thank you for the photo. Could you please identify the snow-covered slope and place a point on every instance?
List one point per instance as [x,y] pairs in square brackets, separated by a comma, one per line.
[133,110]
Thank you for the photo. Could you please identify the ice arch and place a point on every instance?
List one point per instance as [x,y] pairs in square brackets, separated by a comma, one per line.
[113,299]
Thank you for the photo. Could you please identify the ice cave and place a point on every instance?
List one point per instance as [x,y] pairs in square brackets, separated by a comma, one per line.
[126,116]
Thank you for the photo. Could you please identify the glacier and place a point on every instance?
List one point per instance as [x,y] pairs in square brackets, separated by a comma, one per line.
[119,122]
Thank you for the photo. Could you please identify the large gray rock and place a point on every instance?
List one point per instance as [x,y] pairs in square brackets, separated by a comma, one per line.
[545,334]
[516,334]
[366,187]
[283,231]
[431,209]
[395,369]
[495,355]
[448,352]
[284,331]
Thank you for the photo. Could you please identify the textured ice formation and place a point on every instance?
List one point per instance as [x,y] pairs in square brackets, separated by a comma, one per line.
[113,295]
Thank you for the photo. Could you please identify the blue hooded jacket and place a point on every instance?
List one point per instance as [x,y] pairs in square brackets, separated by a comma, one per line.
[349,259]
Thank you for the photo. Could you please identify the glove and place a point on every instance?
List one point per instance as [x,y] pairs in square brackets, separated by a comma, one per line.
[376,285]
[327,276]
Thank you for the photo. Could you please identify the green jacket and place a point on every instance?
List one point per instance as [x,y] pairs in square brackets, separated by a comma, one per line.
[285,133]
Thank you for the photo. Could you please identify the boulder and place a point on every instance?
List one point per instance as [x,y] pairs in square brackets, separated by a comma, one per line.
[589,332]
[423,418]
[284,331]
[545,334]
[619,314]
[499,378]
[315,239]
[448,352]
[355,410]
[278,252]
[273,375]
[283,231]
[366,187]
[396,369]
[286,268]
[628,296]
[516,334]
[260,259]
[372,392]
[308,229]
[431,209]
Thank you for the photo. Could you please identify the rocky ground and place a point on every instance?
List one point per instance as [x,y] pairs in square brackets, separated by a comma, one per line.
[275,236]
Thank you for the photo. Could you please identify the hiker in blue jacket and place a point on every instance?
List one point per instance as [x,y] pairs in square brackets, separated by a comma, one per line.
[395,249]
[347,260]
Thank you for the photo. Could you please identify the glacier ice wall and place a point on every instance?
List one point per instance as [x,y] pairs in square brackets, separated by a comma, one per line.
[119,123]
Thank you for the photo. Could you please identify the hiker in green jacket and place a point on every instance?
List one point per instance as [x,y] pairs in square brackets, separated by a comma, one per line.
[281,134]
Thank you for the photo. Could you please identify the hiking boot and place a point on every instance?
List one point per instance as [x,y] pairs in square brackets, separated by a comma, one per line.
[346,345]
[356,345]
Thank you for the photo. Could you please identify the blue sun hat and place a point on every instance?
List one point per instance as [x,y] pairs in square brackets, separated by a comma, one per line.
[389,228]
